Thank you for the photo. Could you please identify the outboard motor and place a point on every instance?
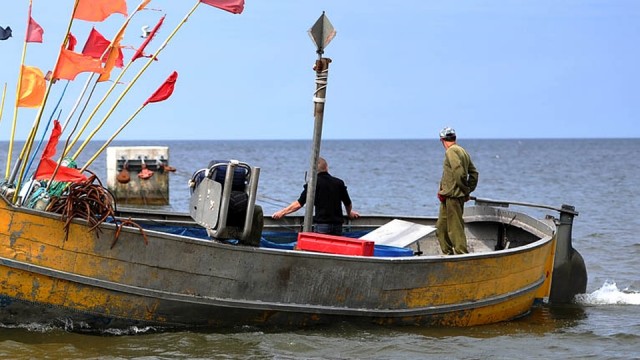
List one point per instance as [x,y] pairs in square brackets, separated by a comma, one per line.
[569,277]
[223,200]
[569,271]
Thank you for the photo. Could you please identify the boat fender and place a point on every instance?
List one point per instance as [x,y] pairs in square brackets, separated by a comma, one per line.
[123,176]
[145,173]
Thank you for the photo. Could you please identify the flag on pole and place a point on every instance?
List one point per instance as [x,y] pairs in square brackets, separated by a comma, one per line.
[32,87]
[5,33]
[47,165]
[71,64]
[99,10]
[34,31]
[232,6]
[164,91]
[97,44]
[112,57]
[72,42]
[140,52]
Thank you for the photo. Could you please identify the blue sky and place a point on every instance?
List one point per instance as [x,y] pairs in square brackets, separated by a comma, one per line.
[490,69]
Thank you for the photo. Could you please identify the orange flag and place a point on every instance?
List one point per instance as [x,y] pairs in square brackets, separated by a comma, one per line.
[99,10]
[114,55]
[32,87]
[71,64]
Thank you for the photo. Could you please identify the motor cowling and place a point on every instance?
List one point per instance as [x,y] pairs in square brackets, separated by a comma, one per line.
[228,212]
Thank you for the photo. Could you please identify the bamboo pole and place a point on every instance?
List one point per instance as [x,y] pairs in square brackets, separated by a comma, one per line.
[108,142]
[75,106]
[111,88]
[133,81]
[96,108]
[35,153]
[17,100]
[4,94]
[27,146]
[68,145]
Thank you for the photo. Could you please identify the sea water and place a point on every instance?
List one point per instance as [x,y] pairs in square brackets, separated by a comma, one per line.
[597,176]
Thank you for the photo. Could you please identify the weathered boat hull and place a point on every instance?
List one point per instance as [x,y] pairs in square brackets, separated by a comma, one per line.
[90,282]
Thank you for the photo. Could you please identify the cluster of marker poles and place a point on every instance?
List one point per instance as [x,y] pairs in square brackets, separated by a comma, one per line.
[322,32]
[26,149]
[19,167]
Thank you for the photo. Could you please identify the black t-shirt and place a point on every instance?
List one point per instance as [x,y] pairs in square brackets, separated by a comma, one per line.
[331,193]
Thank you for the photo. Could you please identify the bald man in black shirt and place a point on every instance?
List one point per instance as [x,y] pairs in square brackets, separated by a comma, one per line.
[331,194]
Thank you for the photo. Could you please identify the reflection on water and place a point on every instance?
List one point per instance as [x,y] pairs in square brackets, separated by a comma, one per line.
[547,332]
[541,320]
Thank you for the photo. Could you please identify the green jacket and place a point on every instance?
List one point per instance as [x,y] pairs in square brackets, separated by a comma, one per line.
[459,175]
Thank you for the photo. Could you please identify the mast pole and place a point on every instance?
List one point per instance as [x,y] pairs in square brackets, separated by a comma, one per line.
[321,33]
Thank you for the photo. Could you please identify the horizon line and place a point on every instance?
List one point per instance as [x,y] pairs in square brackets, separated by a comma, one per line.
[368,139]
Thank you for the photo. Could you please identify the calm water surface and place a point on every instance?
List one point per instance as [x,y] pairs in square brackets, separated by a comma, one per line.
[598,177]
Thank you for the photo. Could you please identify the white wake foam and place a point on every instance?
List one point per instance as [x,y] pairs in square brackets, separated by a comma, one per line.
[609,294]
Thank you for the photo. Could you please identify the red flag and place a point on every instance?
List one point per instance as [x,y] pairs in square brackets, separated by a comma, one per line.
[34,31]
[50,150]
[99,10]
[71,64]
[71,44]
[165,90]
[232,6]
[47,165]
[139,53]
[96,46]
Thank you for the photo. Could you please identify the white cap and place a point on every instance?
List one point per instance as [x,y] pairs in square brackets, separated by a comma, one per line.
[448,134]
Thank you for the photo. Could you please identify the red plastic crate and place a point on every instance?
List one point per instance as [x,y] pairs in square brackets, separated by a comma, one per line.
[333,244]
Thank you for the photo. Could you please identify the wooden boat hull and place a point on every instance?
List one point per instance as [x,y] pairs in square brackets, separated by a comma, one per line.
[89,282]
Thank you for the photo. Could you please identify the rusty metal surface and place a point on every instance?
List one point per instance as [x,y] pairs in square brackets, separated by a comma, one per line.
[183,281]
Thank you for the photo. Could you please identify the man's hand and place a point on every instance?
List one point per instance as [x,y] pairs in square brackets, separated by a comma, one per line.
[442,198]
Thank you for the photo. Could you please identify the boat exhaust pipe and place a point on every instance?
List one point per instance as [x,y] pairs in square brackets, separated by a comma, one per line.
[569,271]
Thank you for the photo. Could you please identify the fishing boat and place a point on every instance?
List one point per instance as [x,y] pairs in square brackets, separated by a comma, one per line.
[205,269]
[69,257]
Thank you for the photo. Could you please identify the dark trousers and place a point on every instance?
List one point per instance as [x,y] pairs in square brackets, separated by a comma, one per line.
[330,229]
[450,227]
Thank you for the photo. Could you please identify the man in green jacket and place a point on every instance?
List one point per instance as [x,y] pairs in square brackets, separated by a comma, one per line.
[459,179]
